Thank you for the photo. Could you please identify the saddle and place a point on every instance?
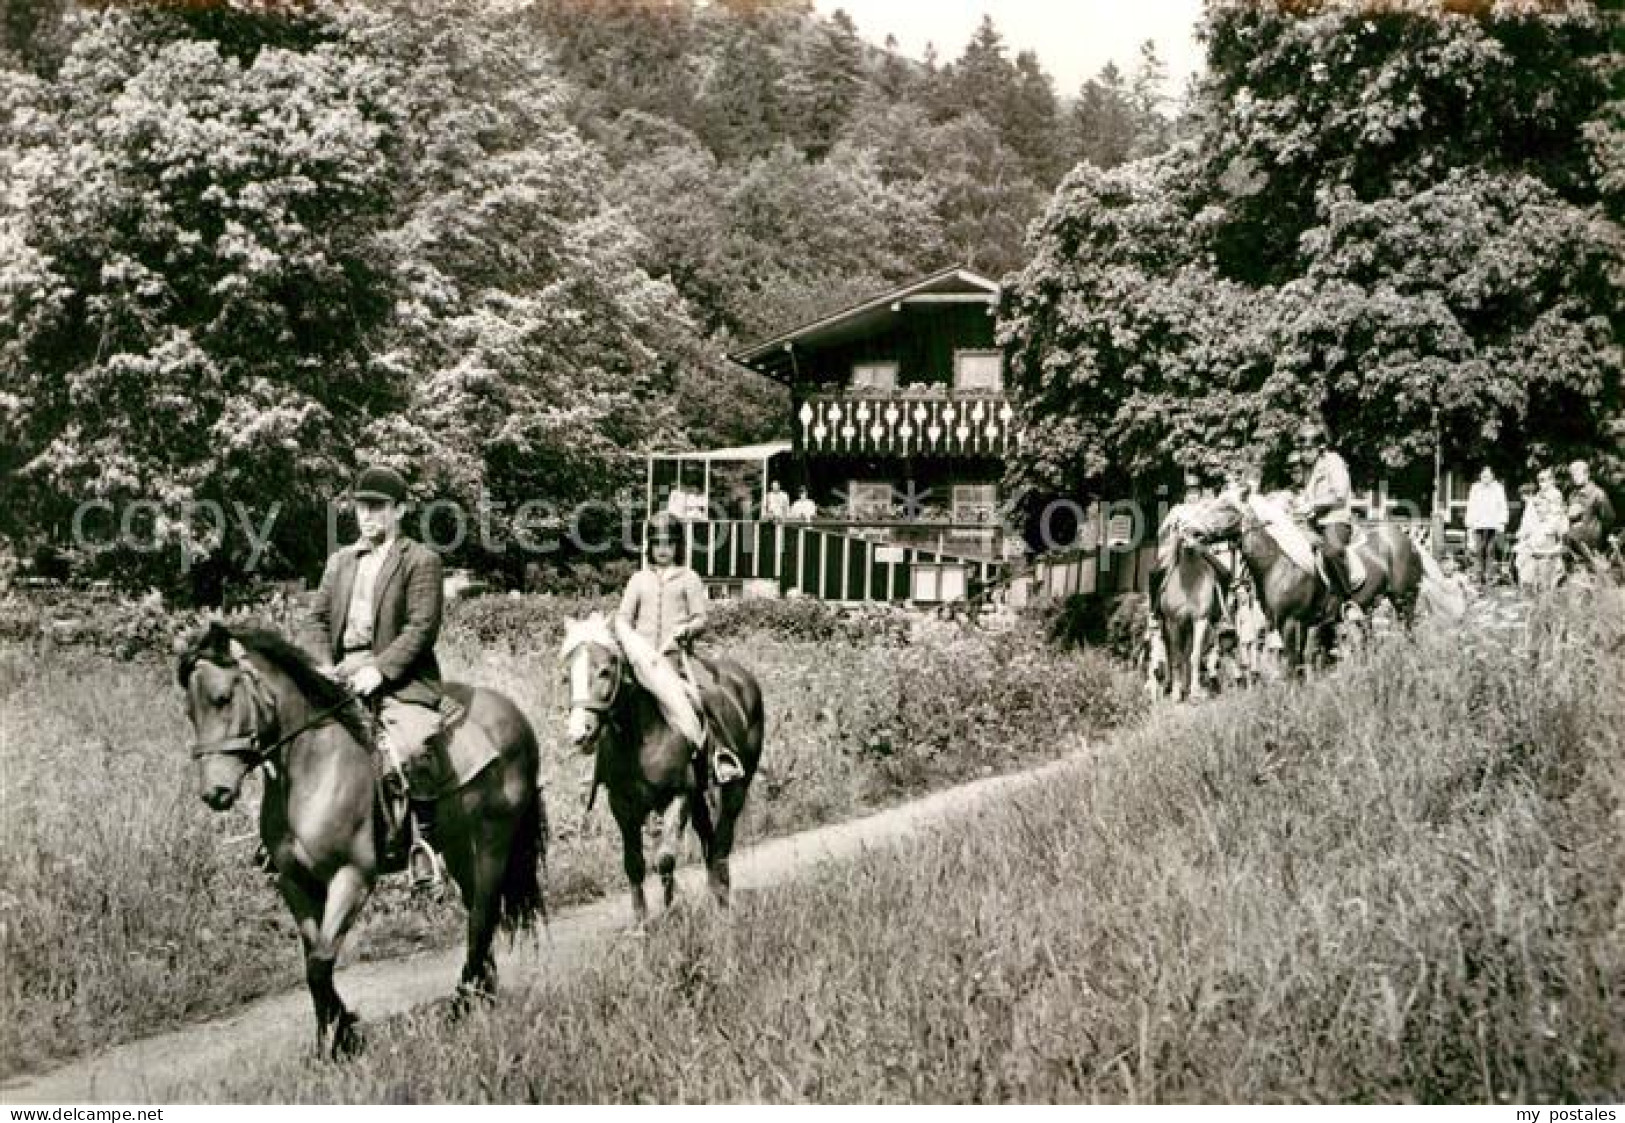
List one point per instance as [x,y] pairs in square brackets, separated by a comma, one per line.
[1303,545]
[457,753]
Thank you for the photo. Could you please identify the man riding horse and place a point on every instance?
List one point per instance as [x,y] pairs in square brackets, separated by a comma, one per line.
[374,622]
[1326,504]
[1297,595]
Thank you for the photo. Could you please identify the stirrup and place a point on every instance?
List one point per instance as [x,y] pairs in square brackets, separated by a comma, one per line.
[725,767]
[426,868]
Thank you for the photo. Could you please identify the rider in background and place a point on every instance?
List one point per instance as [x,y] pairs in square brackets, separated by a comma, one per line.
[373,624]
[1540,534]
[1177,517]
[1326,504]
[666,604]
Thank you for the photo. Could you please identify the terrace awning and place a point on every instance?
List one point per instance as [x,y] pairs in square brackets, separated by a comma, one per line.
[742,454]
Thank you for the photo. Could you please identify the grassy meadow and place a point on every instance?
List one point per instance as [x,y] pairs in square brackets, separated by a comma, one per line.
[1401,882]
[126,906]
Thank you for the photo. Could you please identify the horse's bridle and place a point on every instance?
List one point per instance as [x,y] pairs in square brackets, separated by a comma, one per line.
[262,707]
[594,705]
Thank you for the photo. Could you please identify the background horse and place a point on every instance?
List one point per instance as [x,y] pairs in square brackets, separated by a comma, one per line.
[1188,607]
[1297,601]
[647,766]
[255,699]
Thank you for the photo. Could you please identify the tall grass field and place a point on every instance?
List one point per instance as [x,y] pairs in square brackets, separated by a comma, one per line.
[1399,882]
[127,907]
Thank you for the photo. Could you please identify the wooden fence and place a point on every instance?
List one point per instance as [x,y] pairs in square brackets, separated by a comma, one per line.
[836,562]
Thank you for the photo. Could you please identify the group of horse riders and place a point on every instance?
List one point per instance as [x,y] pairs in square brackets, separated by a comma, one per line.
[376,616]
[371,763]
[377,613]
[1324,507]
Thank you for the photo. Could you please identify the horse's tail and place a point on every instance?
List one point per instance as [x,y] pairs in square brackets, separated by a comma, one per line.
[1435,587]
[1430,564]
[520,899]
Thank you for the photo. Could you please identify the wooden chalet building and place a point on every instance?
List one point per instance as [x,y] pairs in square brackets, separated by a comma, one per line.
[898,429]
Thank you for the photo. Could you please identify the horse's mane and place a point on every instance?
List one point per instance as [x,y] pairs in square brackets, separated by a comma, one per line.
[594,629]
[321,692]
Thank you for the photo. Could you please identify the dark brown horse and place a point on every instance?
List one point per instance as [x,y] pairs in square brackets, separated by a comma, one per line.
[254,700]
[647,766]
[1189,606]
[1296,600]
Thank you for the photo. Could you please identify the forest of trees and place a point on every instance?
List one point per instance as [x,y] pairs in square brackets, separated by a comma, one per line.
[240,253]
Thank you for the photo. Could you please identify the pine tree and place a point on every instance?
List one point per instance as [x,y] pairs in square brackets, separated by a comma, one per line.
[820,96]
[1148,96]
[894,79]
[1104,122]
[1031,124]
[739,110]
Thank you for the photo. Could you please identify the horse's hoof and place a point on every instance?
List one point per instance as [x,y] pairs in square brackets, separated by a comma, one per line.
[467,998]
[346,1037]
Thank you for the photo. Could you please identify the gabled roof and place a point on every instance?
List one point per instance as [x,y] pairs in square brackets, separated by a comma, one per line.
[774,357]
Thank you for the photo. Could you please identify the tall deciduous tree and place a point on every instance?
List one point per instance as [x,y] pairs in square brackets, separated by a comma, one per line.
[1384,213]
[229,273]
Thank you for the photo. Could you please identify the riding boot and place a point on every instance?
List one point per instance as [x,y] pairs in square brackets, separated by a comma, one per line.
[425,865]
[1338,574]
[393,801]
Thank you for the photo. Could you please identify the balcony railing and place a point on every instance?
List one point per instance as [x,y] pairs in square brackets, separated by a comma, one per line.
[897,423]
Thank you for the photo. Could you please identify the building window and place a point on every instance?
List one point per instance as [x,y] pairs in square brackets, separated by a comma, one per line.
[975,503]
[937,582]
[979,371]
[869,500]
[874,376]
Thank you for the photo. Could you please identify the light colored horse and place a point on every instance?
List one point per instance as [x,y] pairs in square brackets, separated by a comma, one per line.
[1189,606]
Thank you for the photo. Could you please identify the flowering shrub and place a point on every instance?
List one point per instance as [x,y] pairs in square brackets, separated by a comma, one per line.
[531,622]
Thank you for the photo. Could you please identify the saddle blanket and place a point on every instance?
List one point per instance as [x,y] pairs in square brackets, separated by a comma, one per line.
[468,748]
[453,756]
[1298,546]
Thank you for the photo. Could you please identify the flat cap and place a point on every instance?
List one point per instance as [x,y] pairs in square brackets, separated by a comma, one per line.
[380,484]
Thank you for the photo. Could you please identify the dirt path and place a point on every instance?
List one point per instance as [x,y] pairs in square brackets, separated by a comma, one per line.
[133,1072]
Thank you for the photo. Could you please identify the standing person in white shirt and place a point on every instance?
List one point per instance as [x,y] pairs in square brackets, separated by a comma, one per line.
[803,509]
[1486,521]
[776,507]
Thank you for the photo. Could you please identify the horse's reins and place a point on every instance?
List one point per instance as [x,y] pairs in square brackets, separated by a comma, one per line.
[248,744]
[605,710]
